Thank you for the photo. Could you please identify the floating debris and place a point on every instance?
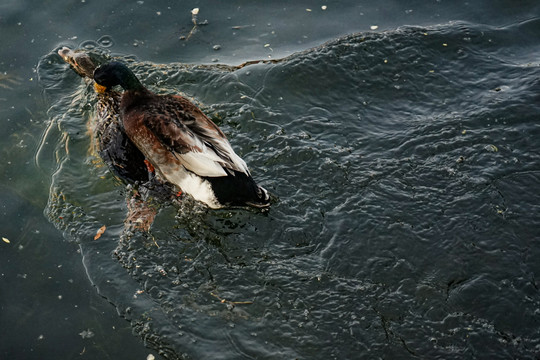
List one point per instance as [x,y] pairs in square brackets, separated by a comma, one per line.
[324,7]
[6,240]
[238,27]
[194,13]
[225,301]
[87,334]
[501,88]
[491,148]
[216,47]
[100,232]
[150,357]
[374,27]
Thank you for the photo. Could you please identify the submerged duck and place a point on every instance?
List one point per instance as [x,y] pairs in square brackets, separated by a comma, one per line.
[184,146]
[124,159]
[116,149]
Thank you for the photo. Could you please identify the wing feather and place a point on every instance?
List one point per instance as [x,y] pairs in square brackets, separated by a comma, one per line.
[194,139]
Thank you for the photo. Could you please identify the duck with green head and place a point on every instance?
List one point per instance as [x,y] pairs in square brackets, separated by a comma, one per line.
[184,146]
[116,149]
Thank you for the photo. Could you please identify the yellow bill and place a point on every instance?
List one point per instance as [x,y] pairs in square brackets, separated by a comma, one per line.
[99,88]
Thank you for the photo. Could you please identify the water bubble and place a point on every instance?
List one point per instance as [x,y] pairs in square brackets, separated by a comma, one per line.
[88,45]
[105,41]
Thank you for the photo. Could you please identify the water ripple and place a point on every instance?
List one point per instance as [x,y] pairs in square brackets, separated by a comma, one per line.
[406,166]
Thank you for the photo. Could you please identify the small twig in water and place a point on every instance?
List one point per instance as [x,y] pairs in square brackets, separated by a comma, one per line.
[231,302]
[194,14]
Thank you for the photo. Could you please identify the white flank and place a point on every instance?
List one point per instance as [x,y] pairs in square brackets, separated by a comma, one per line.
[190,183]
[170,166]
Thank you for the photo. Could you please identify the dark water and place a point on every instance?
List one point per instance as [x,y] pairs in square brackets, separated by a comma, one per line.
[405,160]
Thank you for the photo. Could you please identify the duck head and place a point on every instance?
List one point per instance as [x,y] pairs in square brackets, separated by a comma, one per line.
[80,61]
[116,73]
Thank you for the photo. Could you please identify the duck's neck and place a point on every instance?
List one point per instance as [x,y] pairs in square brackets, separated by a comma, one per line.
[134,97]
[131,83]
[134,90]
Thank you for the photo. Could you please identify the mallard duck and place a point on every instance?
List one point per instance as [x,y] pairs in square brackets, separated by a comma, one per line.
[184,146]
[124,159]
[116,149]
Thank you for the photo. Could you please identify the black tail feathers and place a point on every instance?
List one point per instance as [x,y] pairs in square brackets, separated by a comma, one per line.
[239,189]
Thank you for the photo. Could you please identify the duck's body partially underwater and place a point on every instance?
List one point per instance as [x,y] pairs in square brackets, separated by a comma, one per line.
[121,155]
[185,147]
[124,159]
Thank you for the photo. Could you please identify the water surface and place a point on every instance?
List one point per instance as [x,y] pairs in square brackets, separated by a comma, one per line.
[405,163]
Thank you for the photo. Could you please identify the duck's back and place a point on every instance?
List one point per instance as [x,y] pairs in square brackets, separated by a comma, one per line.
[181,141]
